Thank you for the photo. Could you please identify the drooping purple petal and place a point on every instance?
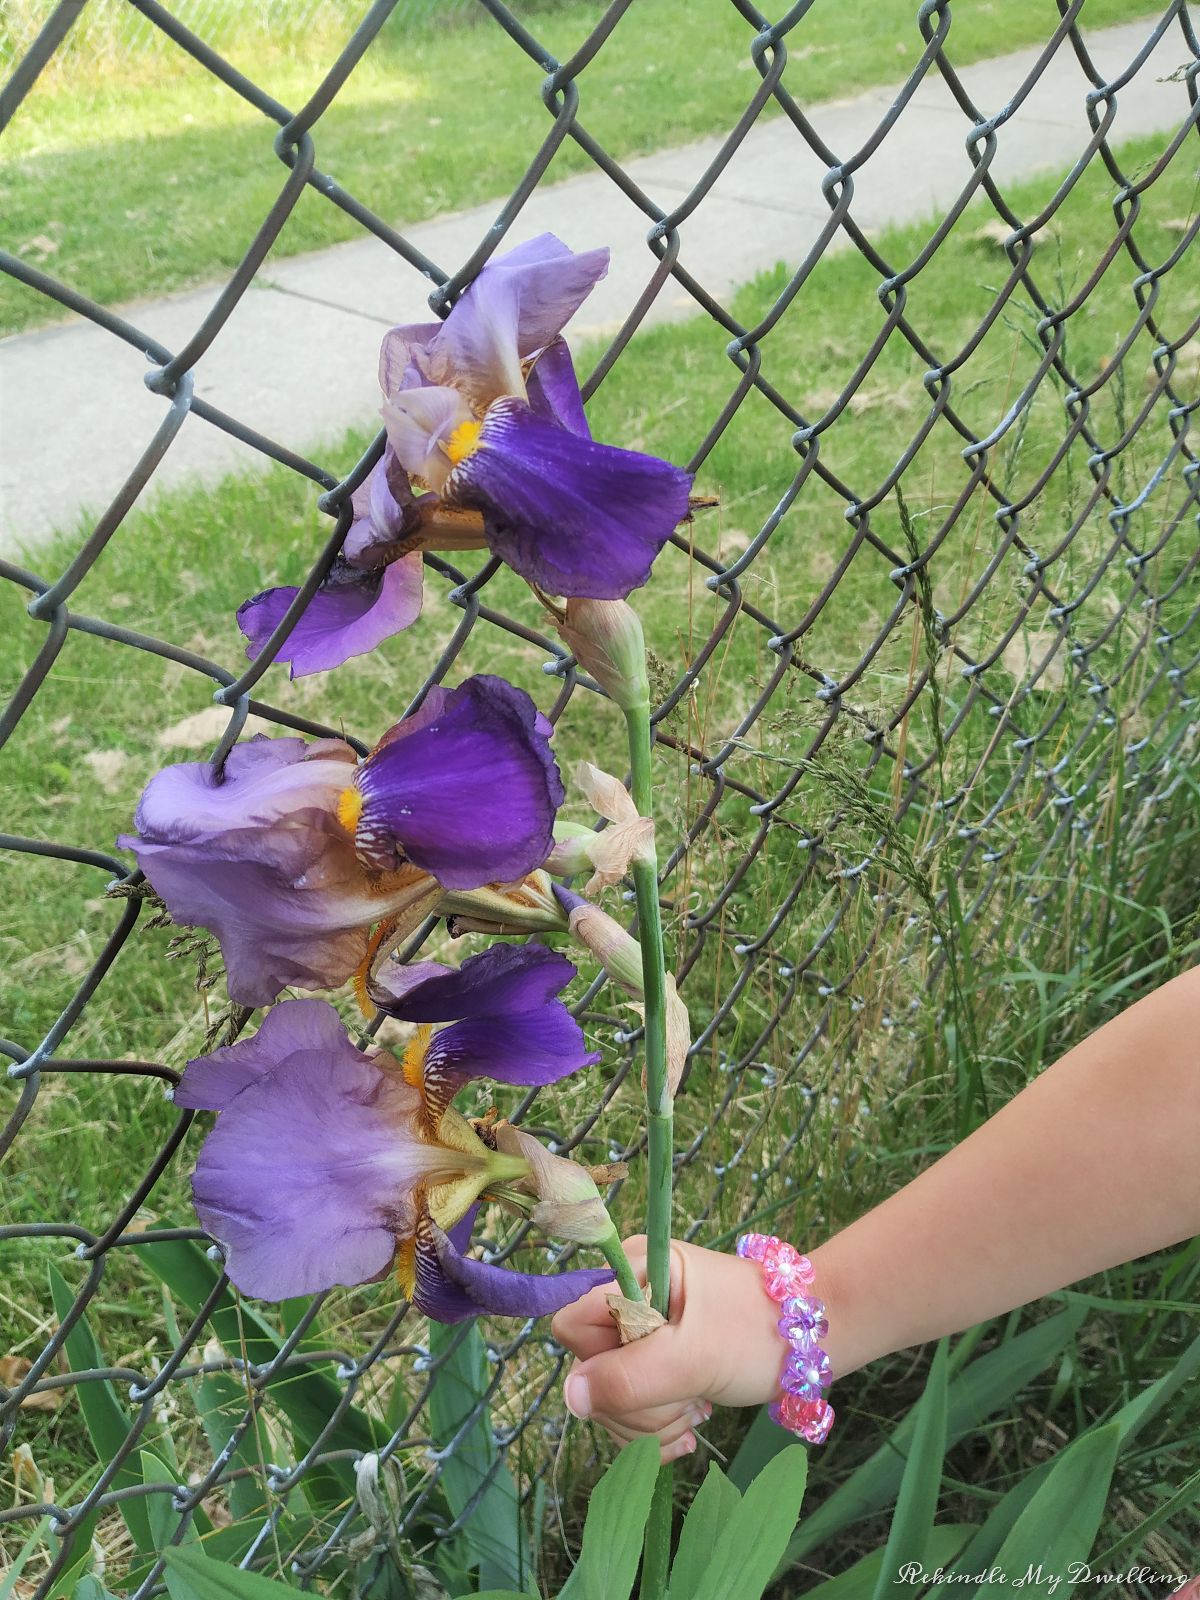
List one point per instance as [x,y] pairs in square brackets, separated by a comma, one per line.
[311,1173]
[347,617]
[421,424]
[210,1082]
[451,1286]
[504,980]
[554,389]
[573,516]
[469,797]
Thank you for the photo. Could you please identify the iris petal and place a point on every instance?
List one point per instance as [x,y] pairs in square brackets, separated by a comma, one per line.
[470,796]
[451,1286]
[419,424]
[311,1172]
[210,1082]
[347,618]
[504,980]
[573,516]
[554,389]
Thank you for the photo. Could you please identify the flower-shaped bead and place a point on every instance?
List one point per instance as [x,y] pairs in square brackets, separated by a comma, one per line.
[807,1372]
[798,1412]
[803,1320]
[785,1271]
[816,1429]
[752,1245]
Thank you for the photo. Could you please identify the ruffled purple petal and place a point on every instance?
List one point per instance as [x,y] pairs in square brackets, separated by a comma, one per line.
[554,389]
[575,517]
[451,1286]
[310,1174]
[518,304]
[345,618]
[469,797]
[210,1082]
[504,980]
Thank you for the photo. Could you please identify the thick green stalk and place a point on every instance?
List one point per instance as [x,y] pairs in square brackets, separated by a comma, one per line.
[659,1131]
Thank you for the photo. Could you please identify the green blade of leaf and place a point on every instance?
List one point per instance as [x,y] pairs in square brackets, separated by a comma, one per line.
[222,1402]
[616,1519]
[716,1501]
[107,1421]
[755,1536]
[981,1388]
[945,1541]
[191,1575]
[1129,1420]
[1058,1526]
[916,1507]
[164,1519]
[493,1531]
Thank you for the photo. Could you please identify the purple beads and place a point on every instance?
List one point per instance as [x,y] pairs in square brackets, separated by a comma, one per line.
[807,1371]
[803,1319]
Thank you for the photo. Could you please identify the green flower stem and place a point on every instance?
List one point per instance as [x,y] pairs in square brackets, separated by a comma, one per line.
[614,1254]
[659,1107]
[659,1119]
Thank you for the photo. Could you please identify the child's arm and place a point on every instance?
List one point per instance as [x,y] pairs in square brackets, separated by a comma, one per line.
[1093,1164]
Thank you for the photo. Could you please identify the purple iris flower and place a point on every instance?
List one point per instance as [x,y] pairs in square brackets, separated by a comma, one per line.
[327,1166]
[301,850]
[485,410]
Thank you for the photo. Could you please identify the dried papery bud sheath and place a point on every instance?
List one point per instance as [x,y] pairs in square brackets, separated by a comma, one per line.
[609,851]
[568,1203]
[605,637]
[635,1319]
[614,947]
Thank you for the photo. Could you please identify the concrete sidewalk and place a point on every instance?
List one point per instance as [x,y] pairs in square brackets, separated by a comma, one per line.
[297,358]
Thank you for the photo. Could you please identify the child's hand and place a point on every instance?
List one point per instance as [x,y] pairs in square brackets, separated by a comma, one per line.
[721,1345]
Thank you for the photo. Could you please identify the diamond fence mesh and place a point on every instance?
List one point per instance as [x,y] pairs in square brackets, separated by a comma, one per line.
[916,744]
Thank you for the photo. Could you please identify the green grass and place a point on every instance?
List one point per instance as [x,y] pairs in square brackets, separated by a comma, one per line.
[431,120]
[1112,908]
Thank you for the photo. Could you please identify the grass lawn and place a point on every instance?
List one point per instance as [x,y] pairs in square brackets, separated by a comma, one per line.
[432,119]
[1058,928]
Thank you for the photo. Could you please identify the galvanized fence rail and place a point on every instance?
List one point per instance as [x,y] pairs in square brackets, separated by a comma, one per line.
[1100,595]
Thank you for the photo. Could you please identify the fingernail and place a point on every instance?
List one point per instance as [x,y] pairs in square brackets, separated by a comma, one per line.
[575,1393]
[697,1415]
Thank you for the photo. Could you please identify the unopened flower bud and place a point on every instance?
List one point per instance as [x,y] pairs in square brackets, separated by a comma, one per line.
[605,637]
[569,1204]
[614,947]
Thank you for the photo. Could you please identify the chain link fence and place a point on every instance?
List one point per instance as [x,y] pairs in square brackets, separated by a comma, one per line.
[916,747]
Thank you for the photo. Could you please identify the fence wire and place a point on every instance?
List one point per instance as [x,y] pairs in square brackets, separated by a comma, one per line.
[1034,658]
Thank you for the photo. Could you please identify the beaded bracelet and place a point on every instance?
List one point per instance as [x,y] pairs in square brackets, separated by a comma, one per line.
[807,1374]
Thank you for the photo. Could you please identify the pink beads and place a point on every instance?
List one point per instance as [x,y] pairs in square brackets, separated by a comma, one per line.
[785,1271]
[807,1372]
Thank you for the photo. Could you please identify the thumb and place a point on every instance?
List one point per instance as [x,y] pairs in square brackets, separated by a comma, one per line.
[635,1377]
